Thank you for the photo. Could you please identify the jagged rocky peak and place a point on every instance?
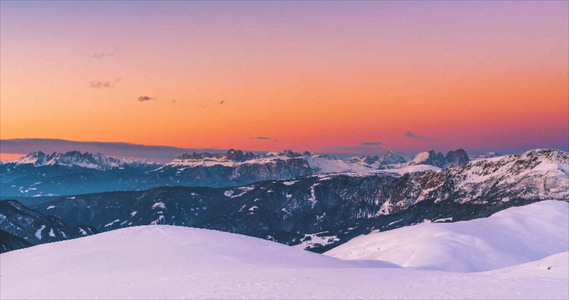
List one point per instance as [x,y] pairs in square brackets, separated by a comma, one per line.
[35,158]
[238,155]
[287,153]
[391,157]
[230,155]
[70,159]
[545,160]
[456,158]
[79,159]
[549,154]
[538,160]
[367,159]
[487,155]
[429,158]
[195,155]
[290,153]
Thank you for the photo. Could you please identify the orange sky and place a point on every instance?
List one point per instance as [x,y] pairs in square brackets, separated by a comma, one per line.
[314,76]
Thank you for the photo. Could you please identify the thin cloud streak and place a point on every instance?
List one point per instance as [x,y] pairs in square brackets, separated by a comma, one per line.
[101,84]
[413,136]
[376,143]
[145,98]
[102,55]
[356,148]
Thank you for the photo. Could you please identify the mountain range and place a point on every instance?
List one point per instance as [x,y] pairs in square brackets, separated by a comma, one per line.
[321,211]
[40,174]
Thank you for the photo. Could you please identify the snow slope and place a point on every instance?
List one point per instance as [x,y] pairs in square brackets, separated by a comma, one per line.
[510,237]
[152,262]
[554,266]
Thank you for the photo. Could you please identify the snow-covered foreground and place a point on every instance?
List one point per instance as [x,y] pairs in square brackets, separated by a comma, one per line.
[177,262]
[507,238]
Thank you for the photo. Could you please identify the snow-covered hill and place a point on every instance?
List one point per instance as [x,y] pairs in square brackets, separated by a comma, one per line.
[158,262]
[554,266]
[510,237]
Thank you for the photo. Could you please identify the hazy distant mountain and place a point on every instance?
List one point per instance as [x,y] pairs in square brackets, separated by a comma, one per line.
[487,155]
[77,159]
[41,174]
[160,154]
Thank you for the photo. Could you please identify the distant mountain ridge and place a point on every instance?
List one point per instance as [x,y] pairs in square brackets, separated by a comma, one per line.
[41,174]
[77,159]
[160,154]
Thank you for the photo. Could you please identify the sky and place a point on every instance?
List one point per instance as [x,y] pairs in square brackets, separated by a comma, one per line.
[359,77]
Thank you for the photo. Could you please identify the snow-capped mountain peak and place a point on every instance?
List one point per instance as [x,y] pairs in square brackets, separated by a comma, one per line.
[487,155]
[76,159]
[429,158]
[455,158]
[391,158]
[233,158]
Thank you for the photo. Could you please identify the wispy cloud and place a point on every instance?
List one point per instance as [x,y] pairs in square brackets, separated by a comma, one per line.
[264,138]
[105,84]
[363,147]
[102,55]
[376,143]
[102,84]
[351,148]
[413,136]
[145,98]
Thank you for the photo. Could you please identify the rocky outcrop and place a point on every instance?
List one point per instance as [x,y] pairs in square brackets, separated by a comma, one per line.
[452,159]
[456,158]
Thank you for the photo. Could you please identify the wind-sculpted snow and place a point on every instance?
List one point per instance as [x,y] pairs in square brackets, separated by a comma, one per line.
[159,262]
[514,236]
